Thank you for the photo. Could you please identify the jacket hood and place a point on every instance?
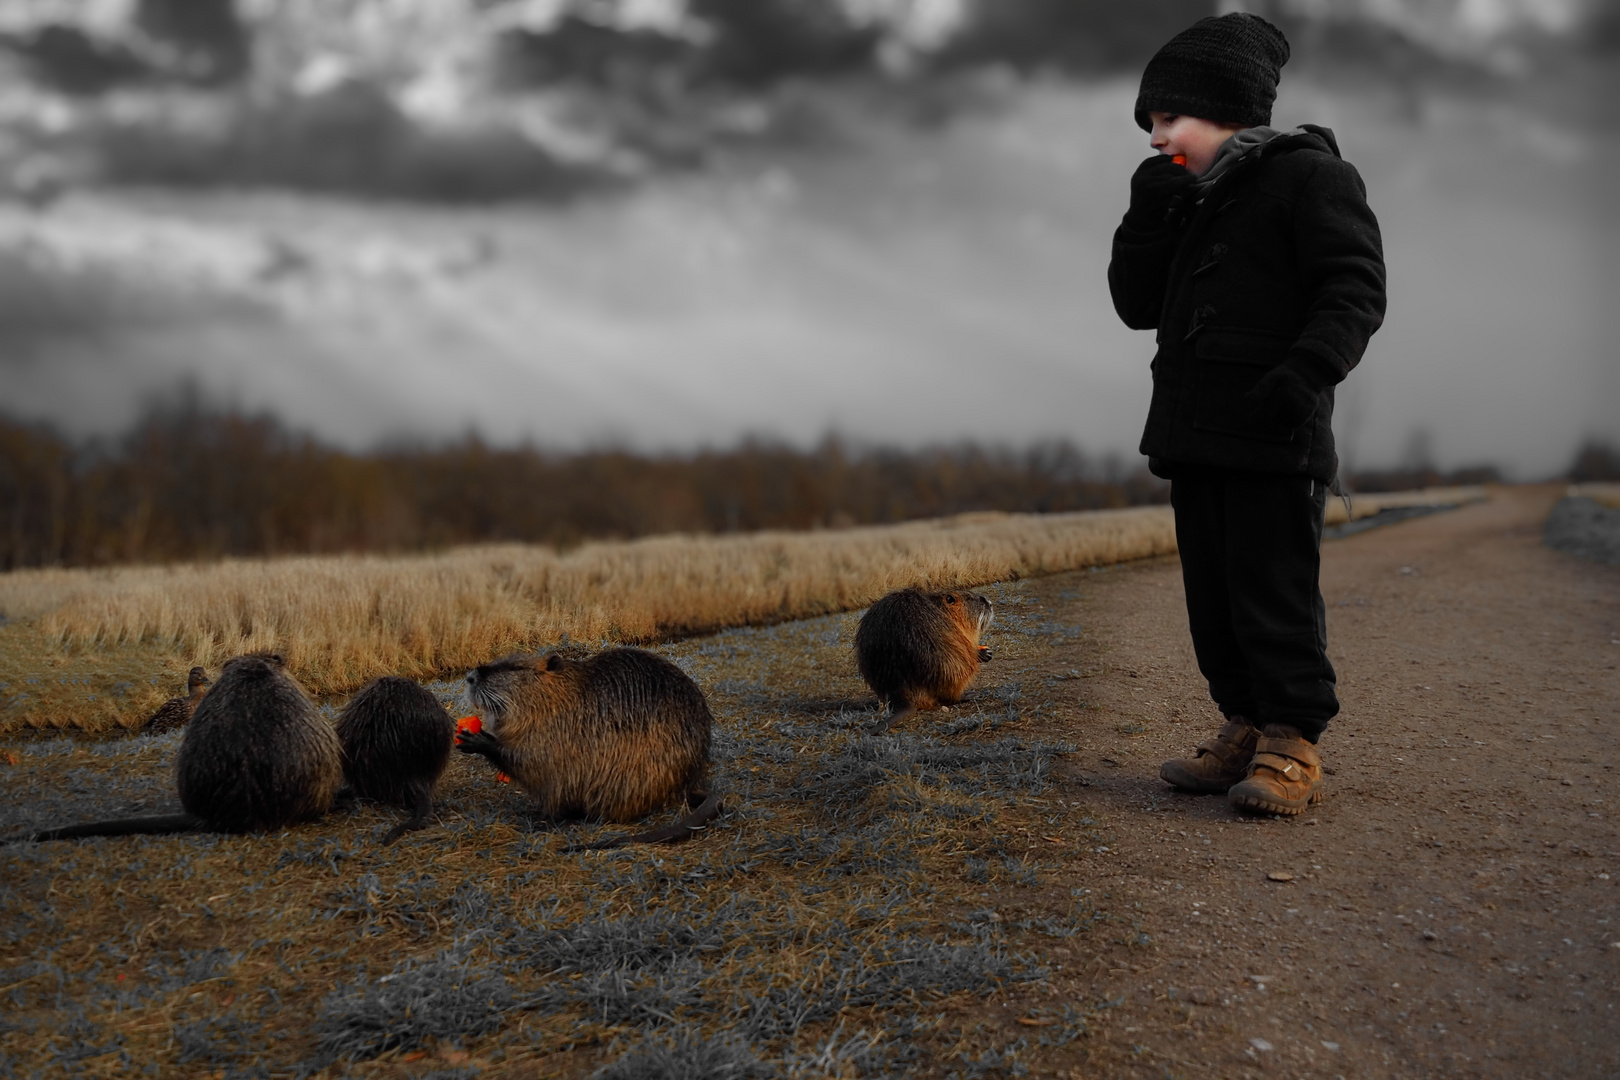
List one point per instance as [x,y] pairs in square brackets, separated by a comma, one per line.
[1255,142]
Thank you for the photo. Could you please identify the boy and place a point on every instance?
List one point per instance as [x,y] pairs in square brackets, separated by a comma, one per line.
[1254,255]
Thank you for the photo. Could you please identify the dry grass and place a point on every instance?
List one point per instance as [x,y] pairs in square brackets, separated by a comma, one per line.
[862,904]
[1602,494]
[341,621]
[1363,506]
[96,650]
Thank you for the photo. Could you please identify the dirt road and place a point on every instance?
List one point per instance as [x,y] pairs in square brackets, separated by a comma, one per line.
[1453,907]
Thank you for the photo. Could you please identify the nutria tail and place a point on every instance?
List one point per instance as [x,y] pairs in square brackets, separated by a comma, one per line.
[684,829]
[154,826]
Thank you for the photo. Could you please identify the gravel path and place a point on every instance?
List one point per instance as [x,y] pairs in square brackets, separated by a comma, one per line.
[1451,910]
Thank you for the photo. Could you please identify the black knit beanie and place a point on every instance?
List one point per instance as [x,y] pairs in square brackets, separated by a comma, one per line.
[1224,68]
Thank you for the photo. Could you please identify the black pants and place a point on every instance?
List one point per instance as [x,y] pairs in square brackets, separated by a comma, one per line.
[1250,560]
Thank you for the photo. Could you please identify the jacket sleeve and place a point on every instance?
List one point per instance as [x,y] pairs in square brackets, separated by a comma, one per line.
[1139,271]
[1340,256]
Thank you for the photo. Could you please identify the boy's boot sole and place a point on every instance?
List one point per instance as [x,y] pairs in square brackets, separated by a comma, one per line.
[1217,764]
[1284,778]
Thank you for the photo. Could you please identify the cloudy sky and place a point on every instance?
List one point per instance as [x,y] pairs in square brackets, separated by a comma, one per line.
[918,287]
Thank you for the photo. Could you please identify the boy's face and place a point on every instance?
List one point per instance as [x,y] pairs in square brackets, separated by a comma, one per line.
[1191,137]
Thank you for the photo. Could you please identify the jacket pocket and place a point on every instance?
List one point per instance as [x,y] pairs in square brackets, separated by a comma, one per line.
[1230,362]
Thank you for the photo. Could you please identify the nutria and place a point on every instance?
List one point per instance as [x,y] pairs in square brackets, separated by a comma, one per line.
[176,712]
[396,741]
[255,757]
[612,737]
[919,650]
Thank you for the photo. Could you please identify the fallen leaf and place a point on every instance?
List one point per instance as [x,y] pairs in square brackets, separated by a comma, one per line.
[1036,1021]
[414,1055]
[1053,839]
[1279,875]
[11,759]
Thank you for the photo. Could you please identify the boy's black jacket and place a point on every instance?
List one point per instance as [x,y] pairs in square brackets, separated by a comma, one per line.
[1281,263]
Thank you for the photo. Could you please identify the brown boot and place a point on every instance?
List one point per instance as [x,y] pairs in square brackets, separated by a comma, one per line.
[1218,763]
[1284,778]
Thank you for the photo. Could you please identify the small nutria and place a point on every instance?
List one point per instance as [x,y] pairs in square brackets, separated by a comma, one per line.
[919,650]
[609,738]
[396,740]
[255,757]
[176,712]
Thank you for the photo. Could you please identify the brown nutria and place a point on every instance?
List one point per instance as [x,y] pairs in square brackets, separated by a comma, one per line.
[612,737]
[396,741]
[256,756]
[919,650]
[176,712]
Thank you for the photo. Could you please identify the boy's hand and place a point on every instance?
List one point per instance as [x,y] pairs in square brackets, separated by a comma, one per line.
[1158,187]
[1281,399]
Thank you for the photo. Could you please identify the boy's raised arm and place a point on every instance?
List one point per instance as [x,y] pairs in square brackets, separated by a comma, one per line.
[1145,242]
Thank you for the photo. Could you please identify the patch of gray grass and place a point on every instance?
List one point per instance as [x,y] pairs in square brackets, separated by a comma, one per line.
[685,1053]
[990,1063]
[658,939]
[448,997]
[863,1054]
[1005,766]
[315,853]
[219,1040]
[191,967]
[635,998]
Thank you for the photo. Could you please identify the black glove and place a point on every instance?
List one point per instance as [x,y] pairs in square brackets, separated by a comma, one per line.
[1281,399]
[1159,189]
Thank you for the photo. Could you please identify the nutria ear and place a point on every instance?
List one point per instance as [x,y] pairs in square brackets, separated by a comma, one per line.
[554,662]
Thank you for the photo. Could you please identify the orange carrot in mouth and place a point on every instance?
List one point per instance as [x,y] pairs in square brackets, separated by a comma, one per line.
[1180,159]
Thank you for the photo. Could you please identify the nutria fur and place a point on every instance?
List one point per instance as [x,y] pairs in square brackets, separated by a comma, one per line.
[256,756]
[612,737]
[176,712]
[919,650]
[396,741]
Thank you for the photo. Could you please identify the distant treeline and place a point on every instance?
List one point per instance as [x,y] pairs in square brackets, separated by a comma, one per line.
[195,482]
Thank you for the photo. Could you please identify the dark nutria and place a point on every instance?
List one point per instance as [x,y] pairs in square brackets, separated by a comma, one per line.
[612,737]
[396,740]
[256,756]
[919,650]
[176,712]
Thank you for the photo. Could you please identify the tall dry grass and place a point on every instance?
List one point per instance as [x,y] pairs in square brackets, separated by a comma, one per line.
[1603,494]
[341,620]
[1362,506]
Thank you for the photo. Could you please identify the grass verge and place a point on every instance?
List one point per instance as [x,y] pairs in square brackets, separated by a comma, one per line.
[97,650]
[857,912]
[77,637]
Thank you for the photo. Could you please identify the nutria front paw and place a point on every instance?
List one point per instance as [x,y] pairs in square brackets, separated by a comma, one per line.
[985,655]
[477,742]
